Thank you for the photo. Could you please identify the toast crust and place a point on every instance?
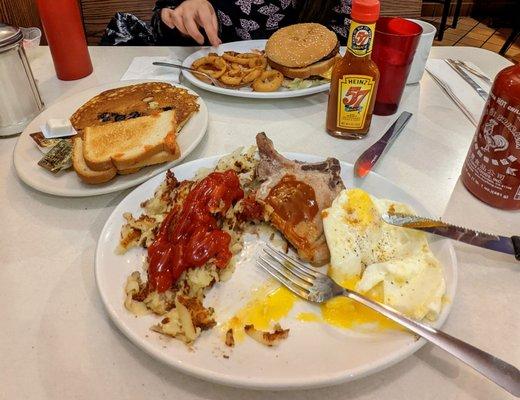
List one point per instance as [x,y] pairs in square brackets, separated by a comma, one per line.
[159,158]
[86,174]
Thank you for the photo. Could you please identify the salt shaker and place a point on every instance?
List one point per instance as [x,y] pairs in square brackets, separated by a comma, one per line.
[20,100]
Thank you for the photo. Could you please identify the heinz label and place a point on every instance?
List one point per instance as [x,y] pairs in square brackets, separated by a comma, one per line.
[354,95]
[360,38]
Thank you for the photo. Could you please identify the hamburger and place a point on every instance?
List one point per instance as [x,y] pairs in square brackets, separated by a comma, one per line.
[303,51]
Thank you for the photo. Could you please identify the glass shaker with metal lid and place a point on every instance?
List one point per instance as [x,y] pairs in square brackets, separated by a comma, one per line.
[20,100]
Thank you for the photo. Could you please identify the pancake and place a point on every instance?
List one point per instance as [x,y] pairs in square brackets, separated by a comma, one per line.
[135,101]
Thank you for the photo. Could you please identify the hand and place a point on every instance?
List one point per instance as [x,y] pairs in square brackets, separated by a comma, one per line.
[189,16]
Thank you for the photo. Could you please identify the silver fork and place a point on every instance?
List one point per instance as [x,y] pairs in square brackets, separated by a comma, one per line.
[213,81]
[317,287]
[469,68]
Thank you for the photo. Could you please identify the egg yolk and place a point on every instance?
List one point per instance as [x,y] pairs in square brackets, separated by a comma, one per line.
[267,307]
[360,209]
[346,313]
[262,311]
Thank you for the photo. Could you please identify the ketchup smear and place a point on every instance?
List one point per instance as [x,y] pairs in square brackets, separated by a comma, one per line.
[191,237]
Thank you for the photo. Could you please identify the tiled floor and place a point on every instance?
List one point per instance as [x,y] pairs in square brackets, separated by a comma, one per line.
[470,32]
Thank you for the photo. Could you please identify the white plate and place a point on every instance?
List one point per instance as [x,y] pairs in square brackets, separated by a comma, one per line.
[244,47]
[314,355]
[67,183]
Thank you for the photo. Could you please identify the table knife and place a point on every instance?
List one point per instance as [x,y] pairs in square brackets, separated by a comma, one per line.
[503,244]
[469,80]
[469,68]
[368,159]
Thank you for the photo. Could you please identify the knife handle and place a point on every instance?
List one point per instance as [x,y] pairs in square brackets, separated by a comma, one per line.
[516,246]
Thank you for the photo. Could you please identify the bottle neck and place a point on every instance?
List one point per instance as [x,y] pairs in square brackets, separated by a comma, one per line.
[360,39]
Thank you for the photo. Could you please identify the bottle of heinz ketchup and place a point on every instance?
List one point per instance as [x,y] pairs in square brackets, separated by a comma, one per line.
[61,20]
[354,80]
[492,168]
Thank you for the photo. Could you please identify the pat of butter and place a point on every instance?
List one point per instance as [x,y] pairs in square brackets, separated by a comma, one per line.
[57,127]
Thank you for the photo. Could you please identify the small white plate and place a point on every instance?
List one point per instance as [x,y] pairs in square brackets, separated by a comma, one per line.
[66,183]
[314,355]
[244,47]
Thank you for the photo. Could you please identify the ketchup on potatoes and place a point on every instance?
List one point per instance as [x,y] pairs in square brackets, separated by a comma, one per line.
[191,237]
[492,168]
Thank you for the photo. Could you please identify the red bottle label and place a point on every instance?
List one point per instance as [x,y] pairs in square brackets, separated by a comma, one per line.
[492,168]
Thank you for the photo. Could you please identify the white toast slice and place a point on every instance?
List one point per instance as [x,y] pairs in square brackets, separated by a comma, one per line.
[86,174]
[125,144]
[159,158]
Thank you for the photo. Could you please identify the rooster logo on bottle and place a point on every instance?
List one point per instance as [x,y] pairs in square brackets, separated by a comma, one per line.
[493,142]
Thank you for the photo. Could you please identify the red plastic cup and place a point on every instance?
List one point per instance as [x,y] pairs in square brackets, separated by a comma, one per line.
[395,42]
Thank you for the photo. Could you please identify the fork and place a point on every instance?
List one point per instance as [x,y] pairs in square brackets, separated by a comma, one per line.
[469,68]
[213,81]
[317,287]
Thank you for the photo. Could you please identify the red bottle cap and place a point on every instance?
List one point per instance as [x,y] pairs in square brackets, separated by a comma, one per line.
[365,10]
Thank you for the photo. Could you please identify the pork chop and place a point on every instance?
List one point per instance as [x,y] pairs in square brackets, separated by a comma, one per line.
[294,193]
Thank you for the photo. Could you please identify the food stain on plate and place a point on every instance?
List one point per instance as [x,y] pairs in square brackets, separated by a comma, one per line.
[269,305]
[266,306]
[343,312]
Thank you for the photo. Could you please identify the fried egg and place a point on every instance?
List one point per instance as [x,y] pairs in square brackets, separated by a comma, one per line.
[393,263]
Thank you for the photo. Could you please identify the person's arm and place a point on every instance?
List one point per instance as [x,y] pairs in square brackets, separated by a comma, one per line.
[180,22]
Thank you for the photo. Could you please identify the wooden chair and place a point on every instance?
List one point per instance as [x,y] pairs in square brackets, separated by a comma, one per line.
[446,5]
[515,32]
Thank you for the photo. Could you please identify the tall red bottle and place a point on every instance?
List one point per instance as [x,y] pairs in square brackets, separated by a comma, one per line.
[61,20]
[492,168]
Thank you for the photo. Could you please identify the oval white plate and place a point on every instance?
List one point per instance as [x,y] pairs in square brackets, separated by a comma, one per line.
[314,355]
[66,183]
[243,47]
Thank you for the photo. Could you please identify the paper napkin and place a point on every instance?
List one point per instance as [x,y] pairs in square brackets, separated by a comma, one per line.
[142,68]
[466,98]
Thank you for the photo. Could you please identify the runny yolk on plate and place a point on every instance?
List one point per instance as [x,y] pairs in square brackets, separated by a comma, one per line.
[343,312]
[269,306]
[266,307]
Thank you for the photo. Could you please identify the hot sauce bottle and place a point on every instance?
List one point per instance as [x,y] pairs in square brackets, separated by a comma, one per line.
[492,168]
[61,20]
[353,84]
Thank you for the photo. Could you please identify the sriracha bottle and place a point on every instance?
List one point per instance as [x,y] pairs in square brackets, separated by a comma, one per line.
[492,168]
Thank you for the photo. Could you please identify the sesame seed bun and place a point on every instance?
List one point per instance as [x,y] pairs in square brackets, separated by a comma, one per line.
[300,45]
[316,69]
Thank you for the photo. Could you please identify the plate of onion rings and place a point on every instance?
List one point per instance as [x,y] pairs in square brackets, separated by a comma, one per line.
[242,69]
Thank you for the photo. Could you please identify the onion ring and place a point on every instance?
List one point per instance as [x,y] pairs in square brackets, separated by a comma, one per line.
[252,74]
[232,77]
[234,57]
[268,81]
[214,66]
[249,55]
[258,61]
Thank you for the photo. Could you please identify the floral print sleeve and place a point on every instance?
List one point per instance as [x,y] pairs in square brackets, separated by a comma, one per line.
[251,19]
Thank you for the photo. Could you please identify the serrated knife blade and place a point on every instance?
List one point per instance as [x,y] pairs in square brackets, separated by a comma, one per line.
[503,244]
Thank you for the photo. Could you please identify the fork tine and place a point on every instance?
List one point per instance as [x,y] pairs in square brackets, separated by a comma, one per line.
[291,267]
[279,276]
[282,269]
[297,264]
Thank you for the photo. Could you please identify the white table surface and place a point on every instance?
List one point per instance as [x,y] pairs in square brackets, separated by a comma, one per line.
[56,341]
